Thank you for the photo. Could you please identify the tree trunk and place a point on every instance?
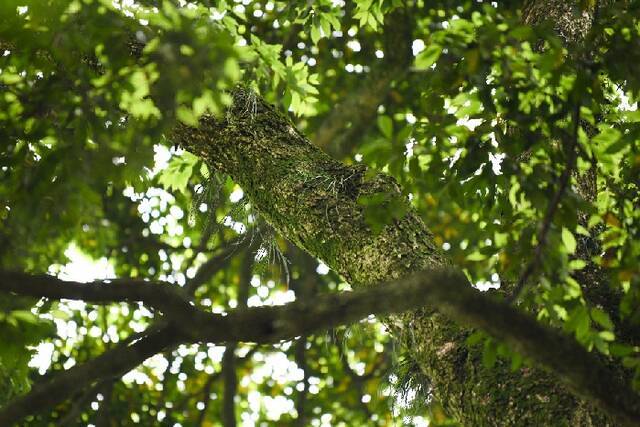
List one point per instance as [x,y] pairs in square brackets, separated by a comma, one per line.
[312,200]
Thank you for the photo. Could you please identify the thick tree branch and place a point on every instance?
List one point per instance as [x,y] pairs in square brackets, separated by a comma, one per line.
[286,178]
[267,324]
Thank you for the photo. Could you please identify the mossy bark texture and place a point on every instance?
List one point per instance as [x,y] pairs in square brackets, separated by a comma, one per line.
[312,200]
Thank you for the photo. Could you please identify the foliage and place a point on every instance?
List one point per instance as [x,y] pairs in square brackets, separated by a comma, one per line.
[479,133]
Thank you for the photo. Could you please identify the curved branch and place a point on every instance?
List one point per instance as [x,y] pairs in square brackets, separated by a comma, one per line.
[545,226]
[168,298]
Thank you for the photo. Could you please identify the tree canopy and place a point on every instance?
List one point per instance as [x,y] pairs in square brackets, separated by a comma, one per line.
[368,212]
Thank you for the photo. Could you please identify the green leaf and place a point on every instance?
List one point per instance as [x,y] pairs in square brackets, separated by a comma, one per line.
[385,124]
[489,354]
[428,57]
[315,34]
[601,318]
[568,240]
[476,256]
[475,338]
[607,335]
[178,172]
[577,264]
[607,137]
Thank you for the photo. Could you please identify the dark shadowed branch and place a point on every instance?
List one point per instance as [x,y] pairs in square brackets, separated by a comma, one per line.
[112,363]
[230,386]
[444,289]
[214,264]
[229,373]
[206,398]
[80,404]
[168,298]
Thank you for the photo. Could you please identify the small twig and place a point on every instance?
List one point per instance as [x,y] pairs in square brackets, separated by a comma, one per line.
[301,399]
[206,391]
[79,405]
[103,415]
[212,266]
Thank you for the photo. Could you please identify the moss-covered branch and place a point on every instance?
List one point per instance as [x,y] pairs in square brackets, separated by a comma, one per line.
[313,200]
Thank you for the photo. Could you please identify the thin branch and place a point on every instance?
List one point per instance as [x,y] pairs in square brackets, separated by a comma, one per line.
[212,266]
[229,359]
[166,375]
[301,398]
[79,405]
[103,416]
[165,297]
[230,386]
[565,177]
[305,287]
[353,115]
[206,391]
[357,380]
[112,363]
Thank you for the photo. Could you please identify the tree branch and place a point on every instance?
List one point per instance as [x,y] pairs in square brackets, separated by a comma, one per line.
[300,354]
[112,363]
[103,416]
[563,183]
[230,386]
[79,405]
[229,373]
[444,289]
[165,297]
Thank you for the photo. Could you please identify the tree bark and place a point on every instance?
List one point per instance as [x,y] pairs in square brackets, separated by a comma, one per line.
[312,200]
